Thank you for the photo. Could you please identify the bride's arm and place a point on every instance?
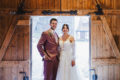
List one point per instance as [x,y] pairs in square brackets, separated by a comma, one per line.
[73,50]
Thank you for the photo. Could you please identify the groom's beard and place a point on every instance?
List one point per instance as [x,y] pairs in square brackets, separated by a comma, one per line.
[52,28]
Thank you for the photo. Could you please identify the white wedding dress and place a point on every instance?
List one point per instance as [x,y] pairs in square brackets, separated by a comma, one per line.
[65,69]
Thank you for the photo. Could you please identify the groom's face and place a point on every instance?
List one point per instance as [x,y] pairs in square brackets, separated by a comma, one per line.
[53,25]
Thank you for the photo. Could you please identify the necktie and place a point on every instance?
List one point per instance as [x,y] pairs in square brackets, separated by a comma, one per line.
[55,35]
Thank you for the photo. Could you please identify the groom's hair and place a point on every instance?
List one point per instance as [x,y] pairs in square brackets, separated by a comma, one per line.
[53,19]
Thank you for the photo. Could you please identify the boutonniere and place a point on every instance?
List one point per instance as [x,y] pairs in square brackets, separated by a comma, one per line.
[71,41]
[50,34]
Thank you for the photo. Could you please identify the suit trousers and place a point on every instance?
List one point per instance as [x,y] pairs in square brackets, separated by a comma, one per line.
[50,69]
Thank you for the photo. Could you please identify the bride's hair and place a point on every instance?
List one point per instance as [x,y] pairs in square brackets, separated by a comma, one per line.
[66,26]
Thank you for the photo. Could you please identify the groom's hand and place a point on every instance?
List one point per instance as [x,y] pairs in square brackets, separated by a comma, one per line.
[46,57]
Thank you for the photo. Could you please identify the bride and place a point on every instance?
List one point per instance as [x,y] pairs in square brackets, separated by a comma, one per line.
[66,68]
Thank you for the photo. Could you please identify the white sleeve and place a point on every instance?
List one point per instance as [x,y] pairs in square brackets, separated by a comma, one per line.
[73,50]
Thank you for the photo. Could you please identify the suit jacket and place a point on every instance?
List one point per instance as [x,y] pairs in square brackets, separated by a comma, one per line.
[48,45]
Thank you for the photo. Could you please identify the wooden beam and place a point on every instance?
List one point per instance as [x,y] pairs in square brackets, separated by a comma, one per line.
[96,22]
[106,12]
[101,62]
[22,22]
[7,38]
[13,63]
[110,37]
[80,12]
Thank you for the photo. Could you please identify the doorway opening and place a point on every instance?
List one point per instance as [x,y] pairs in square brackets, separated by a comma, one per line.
[79,28]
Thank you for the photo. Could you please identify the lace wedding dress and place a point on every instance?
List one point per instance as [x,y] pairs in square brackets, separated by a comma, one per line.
[65,69]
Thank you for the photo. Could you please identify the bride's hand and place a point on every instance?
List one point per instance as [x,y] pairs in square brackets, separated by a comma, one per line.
[73,63]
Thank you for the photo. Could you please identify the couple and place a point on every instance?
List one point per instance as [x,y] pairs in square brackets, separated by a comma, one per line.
[57,53]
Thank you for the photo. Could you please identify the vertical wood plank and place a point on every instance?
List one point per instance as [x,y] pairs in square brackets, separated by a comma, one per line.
[117,72]
[1,4]
[63,5]
[57,4]
[100,42]
[27,4]
[114,4]
[117,4]
[80,4]
[43,4]
[108,4]
[14,4]
[93,40]
[69,5]
[46,4]
[84,4]
[20,43]
[75,5]
[98,45]
[6,4]
[105,72]
[39,4]
[88,4]
[1,75]
[7,72]
[20,69]
[51,4]
[26,43]
[33,4]
[99,72]
[118,32]
[111,72]
[93,4]
[14,48]
[14,72]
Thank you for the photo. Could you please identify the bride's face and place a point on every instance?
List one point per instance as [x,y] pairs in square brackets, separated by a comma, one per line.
[65,29]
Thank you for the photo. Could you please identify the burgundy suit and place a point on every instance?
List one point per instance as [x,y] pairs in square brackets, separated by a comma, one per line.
[48,45]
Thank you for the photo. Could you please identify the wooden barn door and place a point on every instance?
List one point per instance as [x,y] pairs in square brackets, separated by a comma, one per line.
[105,54]
[15,50]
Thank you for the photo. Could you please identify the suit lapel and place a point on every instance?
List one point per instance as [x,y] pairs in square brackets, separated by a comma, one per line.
[52,37]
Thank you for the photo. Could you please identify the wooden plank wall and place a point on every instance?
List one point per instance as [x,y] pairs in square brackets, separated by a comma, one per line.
[101,48]
[16,58]
[31,4]
[55,4]
[4,27]
[18,49]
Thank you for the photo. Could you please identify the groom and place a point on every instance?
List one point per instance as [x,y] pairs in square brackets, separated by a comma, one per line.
[48,48]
